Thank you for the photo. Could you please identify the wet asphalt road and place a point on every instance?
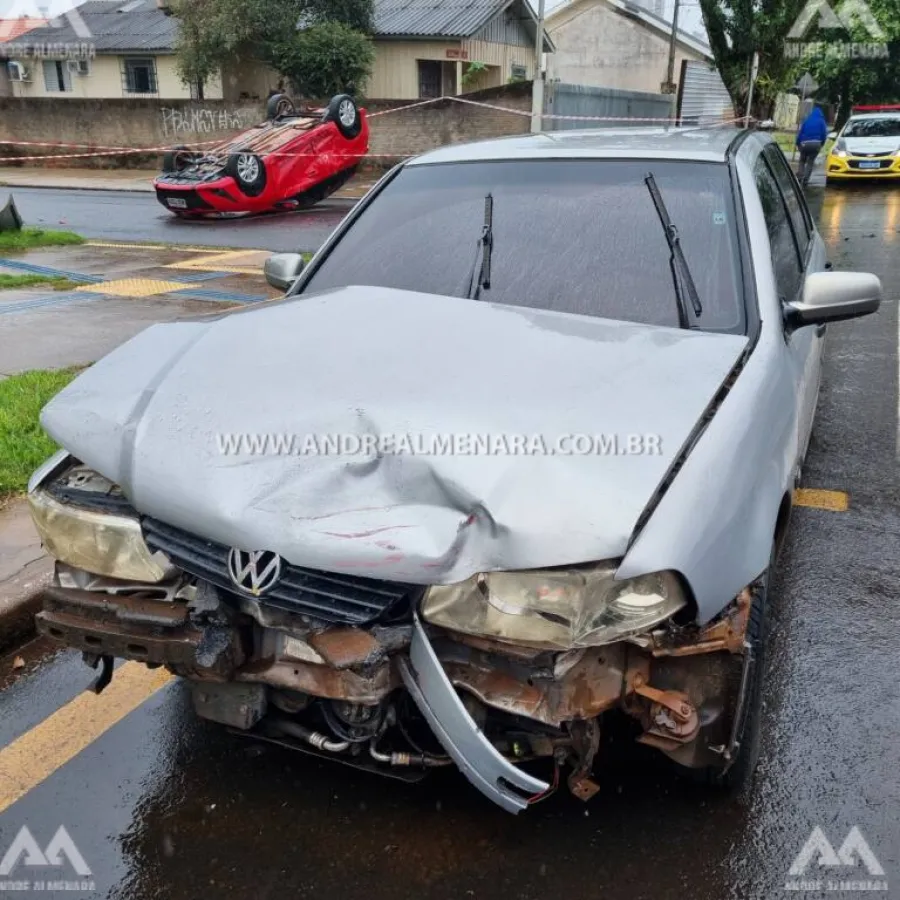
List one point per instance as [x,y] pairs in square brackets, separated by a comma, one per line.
[137,216]
[165,806]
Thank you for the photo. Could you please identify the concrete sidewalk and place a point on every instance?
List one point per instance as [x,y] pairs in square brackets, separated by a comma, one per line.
[130,180]
[24,571]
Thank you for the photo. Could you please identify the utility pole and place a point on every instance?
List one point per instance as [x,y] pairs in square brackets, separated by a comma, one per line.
[537,89]
[754,74]
[669,86]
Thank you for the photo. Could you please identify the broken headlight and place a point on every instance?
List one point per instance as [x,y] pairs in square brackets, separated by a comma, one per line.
[102,543]
[555,608]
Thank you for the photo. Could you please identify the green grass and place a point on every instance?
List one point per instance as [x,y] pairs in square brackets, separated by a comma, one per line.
[34,238]
[23,443]
[7,282]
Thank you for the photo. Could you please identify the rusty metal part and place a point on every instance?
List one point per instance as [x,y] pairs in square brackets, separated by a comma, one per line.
[323,681]
[344,648]
[585,744]
[671,718]
[725,634]
[596,683]
[132,627]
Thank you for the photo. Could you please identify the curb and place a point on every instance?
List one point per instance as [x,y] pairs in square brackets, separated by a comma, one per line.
[130,190]
[20,601]
[75,187]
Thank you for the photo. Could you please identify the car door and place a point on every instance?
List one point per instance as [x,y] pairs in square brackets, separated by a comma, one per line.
[807,344]
[797,251]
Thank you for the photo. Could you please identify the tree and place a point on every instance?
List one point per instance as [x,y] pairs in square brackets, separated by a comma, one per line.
[739,28]
[846,78]
[324,59]
[282,34]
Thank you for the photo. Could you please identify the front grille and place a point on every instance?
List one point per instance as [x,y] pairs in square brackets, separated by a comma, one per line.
[883,164]
[325,596]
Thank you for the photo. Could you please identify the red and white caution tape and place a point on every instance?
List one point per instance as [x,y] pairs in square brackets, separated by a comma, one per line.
[98,151]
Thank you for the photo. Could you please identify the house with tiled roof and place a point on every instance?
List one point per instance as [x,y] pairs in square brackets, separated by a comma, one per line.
[423,49]
[101,49]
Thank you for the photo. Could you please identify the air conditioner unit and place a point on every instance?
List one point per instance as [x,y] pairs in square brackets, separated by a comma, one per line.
[80,67]
[17,72]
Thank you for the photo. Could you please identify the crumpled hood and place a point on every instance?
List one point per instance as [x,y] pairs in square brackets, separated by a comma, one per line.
[155,414]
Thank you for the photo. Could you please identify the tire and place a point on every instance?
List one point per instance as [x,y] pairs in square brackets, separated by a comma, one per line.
[248,171]
[278,106]
[343,111]
[178,158]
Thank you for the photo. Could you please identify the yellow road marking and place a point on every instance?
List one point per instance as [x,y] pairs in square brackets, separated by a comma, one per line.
[119,245]
[204,267]
[239,262]
[38,753]
[833,501]
[135,287]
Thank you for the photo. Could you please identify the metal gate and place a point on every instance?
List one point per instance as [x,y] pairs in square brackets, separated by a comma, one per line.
[616,105]
[703,98]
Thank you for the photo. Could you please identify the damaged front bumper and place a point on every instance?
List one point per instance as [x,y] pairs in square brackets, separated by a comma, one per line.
[490,707]
[343,666]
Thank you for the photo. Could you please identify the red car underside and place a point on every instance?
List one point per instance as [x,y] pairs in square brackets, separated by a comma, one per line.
[305,160]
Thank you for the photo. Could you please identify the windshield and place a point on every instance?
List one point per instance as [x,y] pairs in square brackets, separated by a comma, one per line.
[579,236]
[869,128]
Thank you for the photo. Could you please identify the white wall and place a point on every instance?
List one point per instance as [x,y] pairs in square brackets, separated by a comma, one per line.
[105,81]
[596,45]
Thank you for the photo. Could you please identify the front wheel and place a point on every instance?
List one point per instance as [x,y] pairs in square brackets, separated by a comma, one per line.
[248,171]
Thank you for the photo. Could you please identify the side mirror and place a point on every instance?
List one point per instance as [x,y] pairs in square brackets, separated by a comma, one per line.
[835,297]
[832,135]
[283,269]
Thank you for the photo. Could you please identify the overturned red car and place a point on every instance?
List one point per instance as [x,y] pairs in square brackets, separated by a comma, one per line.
[292,160]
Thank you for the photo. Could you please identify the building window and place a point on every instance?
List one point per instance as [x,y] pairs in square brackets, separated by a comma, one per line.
[139,75]
[57,78]
[518,73]
[430,78]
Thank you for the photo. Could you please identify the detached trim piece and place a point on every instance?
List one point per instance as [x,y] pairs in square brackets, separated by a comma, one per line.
[497,778]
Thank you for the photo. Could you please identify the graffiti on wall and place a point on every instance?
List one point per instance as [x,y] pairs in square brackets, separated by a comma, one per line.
[205,120]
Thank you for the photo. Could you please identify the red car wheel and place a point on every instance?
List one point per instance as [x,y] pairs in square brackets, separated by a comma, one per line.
[248,171]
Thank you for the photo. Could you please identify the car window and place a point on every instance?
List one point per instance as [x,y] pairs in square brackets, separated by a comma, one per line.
[577,236]
[790,190]
[869,128]
[785,259]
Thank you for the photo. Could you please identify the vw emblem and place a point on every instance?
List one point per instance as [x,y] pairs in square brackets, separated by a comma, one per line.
[254,571]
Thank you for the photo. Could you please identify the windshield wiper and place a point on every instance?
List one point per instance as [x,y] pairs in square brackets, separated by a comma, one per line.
[485,249]
[681,272]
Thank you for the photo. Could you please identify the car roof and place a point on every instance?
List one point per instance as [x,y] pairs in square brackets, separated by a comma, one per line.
[857,117]
[693,144]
